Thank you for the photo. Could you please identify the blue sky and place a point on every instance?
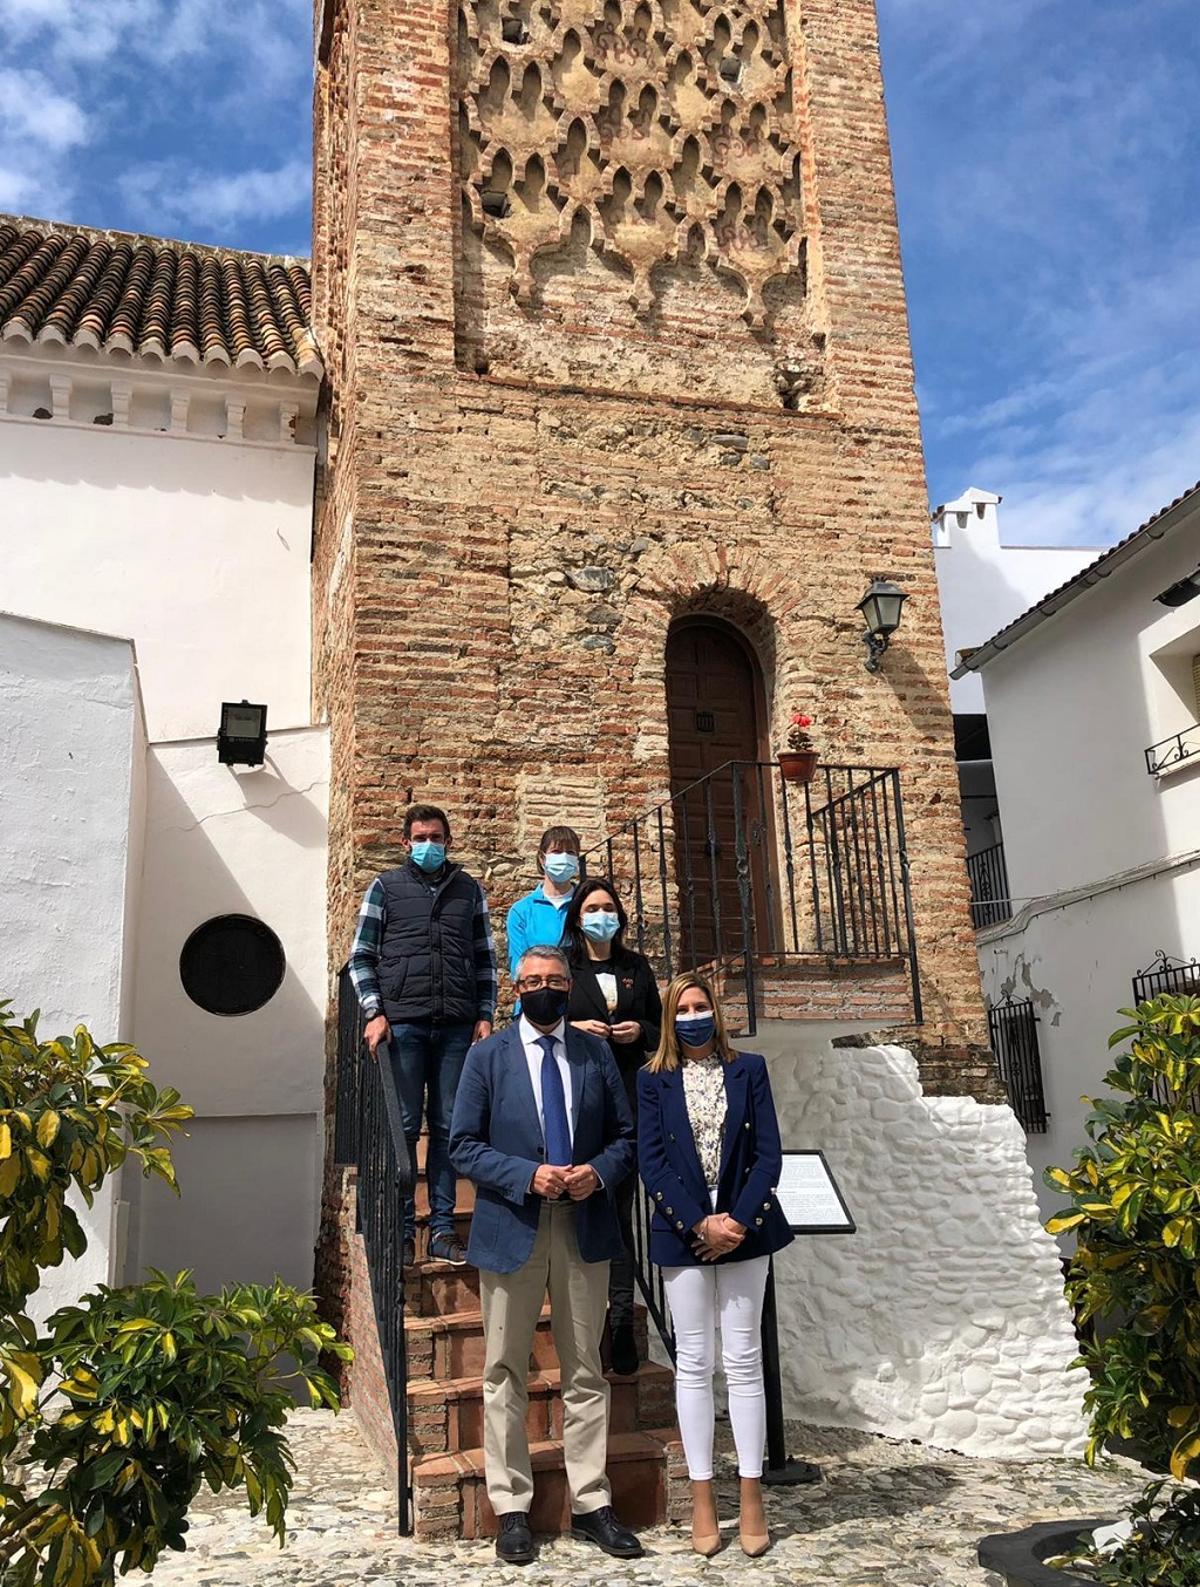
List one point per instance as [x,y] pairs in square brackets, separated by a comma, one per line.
[1048,176]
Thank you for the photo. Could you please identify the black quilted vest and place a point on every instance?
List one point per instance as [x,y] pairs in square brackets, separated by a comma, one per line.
[427,957]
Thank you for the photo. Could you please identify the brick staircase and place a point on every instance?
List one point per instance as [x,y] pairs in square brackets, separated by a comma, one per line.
[444,1337]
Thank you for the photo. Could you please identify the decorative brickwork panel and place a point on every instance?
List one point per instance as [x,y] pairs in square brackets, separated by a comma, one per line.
[634,165]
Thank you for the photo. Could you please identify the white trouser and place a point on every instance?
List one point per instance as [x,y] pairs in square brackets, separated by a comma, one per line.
[699,1297]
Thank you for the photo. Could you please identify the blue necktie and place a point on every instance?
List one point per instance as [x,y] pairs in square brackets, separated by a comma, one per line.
[554,1108]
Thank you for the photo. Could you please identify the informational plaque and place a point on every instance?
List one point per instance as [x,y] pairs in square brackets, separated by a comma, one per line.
[809,1196]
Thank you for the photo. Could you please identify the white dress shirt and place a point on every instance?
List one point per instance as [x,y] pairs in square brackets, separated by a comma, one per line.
[530,1038]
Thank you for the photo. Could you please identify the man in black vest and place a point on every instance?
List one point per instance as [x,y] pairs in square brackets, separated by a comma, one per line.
[424,967]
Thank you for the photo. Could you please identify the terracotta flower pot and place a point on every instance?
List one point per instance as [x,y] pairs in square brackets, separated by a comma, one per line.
[798,765]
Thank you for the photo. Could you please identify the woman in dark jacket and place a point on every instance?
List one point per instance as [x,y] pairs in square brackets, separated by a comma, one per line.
[613,995]
[710,1158]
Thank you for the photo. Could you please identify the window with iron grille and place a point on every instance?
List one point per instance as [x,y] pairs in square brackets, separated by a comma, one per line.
[1175,978]
[1013,1029]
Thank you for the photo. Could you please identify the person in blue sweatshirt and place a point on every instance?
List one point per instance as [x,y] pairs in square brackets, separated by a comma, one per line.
[538,919]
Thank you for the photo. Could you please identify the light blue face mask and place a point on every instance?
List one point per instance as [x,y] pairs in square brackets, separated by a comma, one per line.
[429,856]
[561,867]
[601,925]
[695,1030]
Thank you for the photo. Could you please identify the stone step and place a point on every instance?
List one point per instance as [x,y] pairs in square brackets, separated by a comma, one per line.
[462,1228]
[452,1346]
[450,1499]
[445,1418]
[436,1289]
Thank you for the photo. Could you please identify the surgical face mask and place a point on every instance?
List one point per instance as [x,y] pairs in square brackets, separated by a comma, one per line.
[601,925]
[429,856]
[561,867]
[695,1030]
[545,1006]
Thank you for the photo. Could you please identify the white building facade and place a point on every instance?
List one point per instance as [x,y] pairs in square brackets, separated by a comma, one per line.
[156,485]
[984,583]
[1094,718]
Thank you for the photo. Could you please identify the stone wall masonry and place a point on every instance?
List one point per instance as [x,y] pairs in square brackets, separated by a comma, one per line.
[499,557]
[943,1319]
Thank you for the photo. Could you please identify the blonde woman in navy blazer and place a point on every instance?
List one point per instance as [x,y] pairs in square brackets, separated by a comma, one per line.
[709,1156]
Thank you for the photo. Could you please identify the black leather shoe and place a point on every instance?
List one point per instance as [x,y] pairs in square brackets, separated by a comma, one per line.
[625,1358]
[514,1544]
[602,1528]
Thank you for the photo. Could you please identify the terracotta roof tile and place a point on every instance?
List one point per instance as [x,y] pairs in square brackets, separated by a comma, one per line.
[117,292]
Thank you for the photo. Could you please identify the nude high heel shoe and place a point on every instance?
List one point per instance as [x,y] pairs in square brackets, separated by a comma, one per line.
[752,1520]
[706,1533]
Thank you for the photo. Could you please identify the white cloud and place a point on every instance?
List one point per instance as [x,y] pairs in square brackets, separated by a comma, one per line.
[172,193]
[30,107]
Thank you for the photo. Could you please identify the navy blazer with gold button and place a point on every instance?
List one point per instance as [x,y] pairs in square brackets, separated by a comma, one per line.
[751,1160]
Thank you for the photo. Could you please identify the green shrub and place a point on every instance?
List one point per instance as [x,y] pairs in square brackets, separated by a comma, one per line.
[1135,1211]
[113,1417]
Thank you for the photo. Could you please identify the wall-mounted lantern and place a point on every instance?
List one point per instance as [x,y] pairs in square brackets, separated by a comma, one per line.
[1180,593]
[881,607]
[242,737]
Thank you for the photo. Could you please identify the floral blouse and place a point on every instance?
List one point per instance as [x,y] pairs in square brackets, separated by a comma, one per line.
[704,1093]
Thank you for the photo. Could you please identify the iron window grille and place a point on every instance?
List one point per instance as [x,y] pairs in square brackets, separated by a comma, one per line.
[990,901]
[1173,751]
[1013,1029]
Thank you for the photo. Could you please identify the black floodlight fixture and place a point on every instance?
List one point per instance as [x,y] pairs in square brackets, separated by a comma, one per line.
[242,739]
[1180,593]
[881,608]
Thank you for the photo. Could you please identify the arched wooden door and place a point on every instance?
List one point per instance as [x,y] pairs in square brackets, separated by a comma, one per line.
[714,690]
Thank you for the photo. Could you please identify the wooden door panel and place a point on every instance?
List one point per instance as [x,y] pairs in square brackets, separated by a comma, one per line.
[712,695]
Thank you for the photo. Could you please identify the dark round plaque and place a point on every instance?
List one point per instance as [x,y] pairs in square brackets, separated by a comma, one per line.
[232,964]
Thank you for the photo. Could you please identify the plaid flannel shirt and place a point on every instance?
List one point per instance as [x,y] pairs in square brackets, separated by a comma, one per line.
[368,941]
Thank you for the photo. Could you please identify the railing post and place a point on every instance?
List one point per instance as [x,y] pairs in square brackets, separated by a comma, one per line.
[662,888]
[745,896]
[780,1471]
[906,882]
[788,860]
[640,914]
[713,870]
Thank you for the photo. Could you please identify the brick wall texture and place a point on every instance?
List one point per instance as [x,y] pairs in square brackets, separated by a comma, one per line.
[611,298]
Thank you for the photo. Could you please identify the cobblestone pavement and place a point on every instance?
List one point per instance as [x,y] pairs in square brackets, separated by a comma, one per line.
[886,1515]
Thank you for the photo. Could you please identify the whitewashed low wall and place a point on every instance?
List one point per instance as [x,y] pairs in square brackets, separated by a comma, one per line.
[943,1318]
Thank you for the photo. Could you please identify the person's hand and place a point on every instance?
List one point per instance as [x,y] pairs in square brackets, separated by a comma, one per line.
[550,1182]
[594,1027]
[628,1030]
[483,1029]
[376,1030]
[581,1182]
[719,1234]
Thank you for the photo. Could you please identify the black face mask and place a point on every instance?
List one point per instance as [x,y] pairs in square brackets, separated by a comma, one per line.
[546,1006]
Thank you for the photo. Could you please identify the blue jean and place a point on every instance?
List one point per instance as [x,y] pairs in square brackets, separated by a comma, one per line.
[427,1061]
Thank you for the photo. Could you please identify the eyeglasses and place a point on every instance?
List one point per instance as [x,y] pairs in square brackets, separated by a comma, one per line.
[535,983]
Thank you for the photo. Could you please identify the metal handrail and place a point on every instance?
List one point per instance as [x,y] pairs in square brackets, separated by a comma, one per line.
[818,868]
[1177,747]
[369,1136]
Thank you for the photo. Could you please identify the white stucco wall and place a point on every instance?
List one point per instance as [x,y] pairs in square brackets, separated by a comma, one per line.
[1076,964]
[70,843]
[220,841]
[197,549]
[1103,859]
[984,584]
[1073,705]
[942,1319]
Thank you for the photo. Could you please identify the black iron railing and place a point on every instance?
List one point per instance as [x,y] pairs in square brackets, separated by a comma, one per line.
[369,1136]
[1175,978]
[743,864]
[1174,750]
[1013,1029]
[990,901]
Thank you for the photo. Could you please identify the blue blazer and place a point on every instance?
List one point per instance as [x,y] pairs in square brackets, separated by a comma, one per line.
[496,1141]
[751,1160]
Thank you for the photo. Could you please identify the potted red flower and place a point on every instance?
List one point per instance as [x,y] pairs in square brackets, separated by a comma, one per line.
[799,760]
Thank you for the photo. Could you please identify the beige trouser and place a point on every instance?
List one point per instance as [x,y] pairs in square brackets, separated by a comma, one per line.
[511,1305]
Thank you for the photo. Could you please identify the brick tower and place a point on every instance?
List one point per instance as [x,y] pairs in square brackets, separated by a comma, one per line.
[620,427]
[611,299]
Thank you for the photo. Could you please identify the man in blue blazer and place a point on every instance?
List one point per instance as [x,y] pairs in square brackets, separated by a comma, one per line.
[542,1127]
